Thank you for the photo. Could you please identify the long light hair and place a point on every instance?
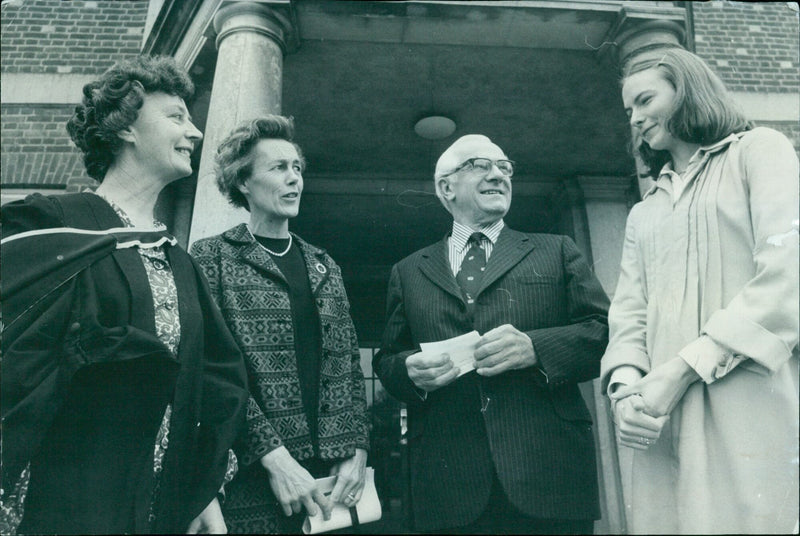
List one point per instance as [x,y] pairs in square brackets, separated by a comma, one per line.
[703,112]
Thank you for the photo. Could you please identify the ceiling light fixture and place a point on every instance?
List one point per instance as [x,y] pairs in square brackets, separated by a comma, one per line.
[435,127]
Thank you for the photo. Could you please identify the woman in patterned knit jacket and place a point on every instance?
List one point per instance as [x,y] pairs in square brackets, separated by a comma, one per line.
[285,302]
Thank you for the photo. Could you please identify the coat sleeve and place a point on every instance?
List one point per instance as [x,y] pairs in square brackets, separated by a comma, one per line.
[261,438]
[627,316]
[389,362]
[761,321]
[571,353]
[33,382]
[359,395]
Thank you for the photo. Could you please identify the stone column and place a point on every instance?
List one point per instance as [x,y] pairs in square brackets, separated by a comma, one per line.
[647,38]
[607,201]
[251,42]
[598,212]
[645,32]
[641,30]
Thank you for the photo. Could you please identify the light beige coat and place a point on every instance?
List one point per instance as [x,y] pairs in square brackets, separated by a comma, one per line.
[712,276]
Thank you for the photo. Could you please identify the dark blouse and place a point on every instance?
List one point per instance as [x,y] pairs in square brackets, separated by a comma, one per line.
[305,321]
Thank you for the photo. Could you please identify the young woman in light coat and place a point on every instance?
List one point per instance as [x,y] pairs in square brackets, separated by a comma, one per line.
[702,364]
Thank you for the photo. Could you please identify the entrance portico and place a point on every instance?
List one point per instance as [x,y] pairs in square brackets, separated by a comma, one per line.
[540,78]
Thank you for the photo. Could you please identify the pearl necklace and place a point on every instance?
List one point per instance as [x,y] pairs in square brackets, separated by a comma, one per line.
[281,254]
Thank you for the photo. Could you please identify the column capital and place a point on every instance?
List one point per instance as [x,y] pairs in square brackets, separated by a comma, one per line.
[233,17]
[644,29]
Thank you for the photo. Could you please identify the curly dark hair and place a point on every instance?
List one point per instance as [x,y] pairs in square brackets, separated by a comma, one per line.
[112,104]
[703,113]
[234,158]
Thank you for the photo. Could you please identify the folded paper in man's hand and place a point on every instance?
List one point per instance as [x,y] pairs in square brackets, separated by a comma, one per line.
[461,350]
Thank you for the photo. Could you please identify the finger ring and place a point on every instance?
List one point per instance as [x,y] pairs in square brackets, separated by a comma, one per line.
[351,496]
[644,441]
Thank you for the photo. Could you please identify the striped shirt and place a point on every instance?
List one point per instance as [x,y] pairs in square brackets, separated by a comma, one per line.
[459,238]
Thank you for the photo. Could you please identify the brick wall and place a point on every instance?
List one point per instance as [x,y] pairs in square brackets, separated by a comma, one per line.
[752,46]
[57,37]
[36,148]
[81,37]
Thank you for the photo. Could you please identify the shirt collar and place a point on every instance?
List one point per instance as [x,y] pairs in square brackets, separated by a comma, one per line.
[461,233]
[697,158]
[668,167]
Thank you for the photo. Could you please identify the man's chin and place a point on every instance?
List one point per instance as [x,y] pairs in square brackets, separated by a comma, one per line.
[490,216]
[496,209]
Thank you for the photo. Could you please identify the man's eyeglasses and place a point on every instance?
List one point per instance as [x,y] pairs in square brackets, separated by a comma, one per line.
[484,165]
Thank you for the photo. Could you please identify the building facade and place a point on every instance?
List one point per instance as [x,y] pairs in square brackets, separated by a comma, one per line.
[541,78]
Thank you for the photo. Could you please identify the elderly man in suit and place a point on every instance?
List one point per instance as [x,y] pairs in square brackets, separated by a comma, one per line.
[508,447]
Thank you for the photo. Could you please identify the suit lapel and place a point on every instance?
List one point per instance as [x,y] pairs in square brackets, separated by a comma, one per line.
[436,267]
[510,249]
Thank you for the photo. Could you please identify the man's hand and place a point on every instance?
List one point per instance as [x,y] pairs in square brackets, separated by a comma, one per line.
[431,372]
[350,477]
[209,521]
[502,349]
[293,485]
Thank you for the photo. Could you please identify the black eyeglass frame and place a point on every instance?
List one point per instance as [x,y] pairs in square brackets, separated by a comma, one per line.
[471,163]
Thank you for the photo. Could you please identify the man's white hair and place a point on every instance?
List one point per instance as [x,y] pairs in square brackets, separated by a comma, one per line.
[463,148]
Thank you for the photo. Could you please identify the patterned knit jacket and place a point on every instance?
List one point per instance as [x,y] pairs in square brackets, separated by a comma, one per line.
[254,299]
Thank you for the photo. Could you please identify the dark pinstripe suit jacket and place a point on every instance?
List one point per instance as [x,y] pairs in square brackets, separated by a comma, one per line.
[535,431]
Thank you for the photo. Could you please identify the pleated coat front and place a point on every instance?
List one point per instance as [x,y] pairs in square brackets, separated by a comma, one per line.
[712,276]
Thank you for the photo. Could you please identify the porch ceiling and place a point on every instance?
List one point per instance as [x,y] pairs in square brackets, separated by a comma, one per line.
[527,74]
[556,112]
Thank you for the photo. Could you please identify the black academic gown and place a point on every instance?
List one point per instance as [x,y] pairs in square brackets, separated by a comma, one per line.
[86,380]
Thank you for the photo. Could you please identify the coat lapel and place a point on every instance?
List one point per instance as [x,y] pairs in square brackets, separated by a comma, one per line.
[318,272]
[128,260]
[436,267]
[251,252]
[510,249]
